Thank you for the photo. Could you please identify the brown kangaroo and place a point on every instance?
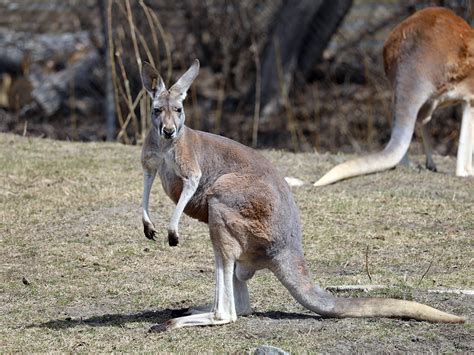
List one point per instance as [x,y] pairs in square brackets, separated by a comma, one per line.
[429,61]
[252,217]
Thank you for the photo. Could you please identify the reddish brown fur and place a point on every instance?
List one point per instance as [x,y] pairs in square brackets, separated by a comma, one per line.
[429,32]
[429,61]
[249,213]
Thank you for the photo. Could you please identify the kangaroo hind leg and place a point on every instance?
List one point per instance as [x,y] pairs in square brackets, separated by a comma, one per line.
[241,293]
[223,310]
[466,142]
[428,148]
[424,117]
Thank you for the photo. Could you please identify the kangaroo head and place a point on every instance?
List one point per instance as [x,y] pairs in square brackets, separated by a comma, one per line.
[167,114]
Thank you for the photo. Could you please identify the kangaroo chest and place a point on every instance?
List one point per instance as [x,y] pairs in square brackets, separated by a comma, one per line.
[172,182]
[170,177]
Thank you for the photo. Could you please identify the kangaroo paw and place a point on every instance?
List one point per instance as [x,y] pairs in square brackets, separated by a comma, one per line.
[430,165]
[149,231]
[173,238]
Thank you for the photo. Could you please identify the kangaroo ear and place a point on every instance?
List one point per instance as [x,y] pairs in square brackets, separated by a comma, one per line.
[151,79]
[183,83]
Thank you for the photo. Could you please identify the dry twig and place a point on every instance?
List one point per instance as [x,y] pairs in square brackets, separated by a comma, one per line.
[133,35]
[426,272]
[113,68]
[154,37]
[127,94]
[131,114]
[167,47]
[367,263]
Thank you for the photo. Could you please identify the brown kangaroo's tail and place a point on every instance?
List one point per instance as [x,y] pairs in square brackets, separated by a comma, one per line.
[292,271]
[384,160]
[411,93]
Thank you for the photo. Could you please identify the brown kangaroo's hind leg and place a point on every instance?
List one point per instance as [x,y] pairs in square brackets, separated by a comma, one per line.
[291,269]
[424,117]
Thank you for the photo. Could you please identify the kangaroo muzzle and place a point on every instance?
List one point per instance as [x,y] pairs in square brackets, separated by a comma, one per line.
[168,132]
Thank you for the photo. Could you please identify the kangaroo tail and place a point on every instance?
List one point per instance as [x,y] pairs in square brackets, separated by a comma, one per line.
[384,160]
[292,271]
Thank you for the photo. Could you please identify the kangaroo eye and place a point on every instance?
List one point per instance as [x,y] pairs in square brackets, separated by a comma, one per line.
[158,110]
[178,109]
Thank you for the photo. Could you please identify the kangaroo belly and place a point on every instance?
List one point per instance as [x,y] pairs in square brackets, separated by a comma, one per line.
[197,207]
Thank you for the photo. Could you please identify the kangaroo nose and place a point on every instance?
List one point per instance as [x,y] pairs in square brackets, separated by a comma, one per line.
[168,132]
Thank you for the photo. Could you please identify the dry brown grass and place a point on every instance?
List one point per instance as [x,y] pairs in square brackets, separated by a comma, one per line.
[70,226]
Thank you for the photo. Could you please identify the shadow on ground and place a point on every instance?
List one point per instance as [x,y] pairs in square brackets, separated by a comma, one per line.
[106,320]
[118,320]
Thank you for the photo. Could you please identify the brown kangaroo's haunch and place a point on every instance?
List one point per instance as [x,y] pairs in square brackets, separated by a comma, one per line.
[253,220]
[429,61]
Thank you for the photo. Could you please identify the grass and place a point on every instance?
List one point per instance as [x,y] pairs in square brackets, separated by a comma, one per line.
[70,228]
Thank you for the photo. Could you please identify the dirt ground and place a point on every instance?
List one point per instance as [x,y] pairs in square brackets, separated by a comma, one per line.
[77,274]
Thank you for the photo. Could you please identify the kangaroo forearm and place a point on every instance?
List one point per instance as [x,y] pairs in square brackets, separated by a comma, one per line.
[189,188]
[148,228]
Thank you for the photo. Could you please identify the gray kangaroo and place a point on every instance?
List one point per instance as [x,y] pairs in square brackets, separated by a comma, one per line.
[252,217]
[429,60]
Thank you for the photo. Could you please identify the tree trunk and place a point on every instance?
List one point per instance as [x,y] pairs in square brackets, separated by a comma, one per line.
[302,30]
[320,30]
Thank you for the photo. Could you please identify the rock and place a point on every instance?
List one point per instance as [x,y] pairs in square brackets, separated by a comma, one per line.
[292,181]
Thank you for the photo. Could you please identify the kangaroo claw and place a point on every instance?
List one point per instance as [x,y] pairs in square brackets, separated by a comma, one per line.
[150,232]
[173,238]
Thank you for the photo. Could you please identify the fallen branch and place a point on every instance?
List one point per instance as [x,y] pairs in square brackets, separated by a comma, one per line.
[368,288]
[454,291]
[363,288]
[51,91]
